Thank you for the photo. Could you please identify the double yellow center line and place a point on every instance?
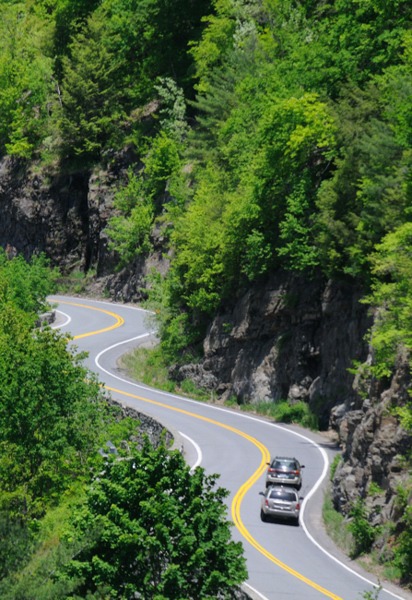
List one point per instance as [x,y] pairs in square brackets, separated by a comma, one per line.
[237,500]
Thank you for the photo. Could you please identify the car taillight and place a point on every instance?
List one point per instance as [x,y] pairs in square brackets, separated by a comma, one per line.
[295,472]
[266,502]
[297,506]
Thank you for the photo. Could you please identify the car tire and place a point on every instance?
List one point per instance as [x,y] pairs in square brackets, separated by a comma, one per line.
[263,517]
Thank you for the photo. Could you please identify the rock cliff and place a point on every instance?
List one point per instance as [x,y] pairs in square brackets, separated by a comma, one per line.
[375,449]
[288,338]
[64,215]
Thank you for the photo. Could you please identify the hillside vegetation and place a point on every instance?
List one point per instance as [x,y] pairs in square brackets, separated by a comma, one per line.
[77,520]
[269,135]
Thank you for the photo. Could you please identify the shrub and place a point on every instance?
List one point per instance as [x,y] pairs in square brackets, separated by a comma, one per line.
[363,532]
[295,413]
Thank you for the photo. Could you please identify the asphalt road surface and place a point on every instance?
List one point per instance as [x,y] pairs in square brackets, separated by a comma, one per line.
[284,562]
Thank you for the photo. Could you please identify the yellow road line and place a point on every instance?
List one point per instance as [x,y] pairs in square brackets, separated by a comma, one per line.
[118,319]
[237,501]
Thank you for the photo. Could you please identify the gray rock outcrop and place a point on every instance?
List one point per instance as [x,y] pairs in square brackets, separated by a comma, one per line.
[374,450]
[288,339]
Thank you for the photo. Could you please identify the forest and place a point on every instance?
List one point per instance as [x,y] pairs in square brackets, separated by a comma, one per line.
[268,135]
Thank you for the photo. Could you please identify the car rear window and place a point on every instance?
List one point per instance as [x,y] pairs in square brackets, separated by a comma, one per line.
[284,495]
[277,464]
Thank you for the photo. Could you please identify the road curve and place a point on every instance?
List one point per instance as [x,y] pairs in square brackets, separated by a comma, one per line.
[284,562]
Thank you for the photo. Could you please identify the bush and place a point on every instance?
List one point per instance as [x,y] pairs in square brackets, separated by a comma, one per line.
[363,532]
[295,413]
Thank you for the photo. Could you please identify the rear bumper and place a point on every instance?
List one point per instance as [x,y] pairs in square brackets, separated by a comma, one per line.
[281,514]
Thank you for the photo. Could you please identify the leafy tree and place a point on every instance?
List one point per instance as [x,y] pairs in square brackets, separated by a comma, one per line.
[69,17]
[142,199]
[26,284]
[368,194]
[25,79]
[130,235]
[392,298]
[48,424]
[158,531]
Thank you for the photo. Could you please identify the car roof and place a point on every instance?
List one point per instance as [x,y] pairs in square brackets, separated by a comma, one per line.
[282,488]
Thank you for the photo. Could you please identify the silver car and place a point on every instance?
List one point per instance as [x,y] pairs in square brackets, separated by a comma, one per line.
[284,470]
[280,502]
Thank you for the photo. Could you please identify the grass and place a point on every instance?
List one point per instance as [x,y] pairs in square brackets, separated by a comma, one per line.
[336,527]
[283,412]
[76,282]
[147,366]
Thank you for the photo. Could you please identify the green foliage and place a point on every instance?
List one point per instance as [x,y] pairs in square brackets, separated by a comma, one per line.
[362,531]
[129,232]
[140,200]
[374,489]
[158,531]
[162,162]
[391,296]
[282,411]
[403,546]
[26,284]
[335,463]
[374,595]
[91,106]
[172,112]
[336,526]
[25,78]
[113,66]
[48,424]
[298,412]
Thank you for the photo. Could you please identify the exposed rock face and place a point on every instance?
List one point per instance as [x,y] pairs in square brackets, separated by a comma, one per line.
[291,339]
[65,215]
[374,450]
[45,213]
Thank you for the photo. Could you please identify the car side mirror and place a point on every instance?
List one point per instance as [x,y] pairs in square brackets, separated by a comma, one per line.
[302,466]
[268,463]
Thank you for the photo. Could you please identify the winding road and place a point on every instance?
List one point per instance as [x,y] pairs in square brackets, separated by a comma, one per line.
[284,562]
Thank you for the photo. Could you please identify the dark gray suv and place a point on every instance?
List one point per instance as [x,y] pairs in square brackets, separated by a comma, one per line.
[284,470]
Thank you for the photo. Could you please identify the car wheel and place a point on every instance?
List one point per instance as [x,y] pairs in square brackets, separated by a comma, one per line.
[263,517]
[296,522]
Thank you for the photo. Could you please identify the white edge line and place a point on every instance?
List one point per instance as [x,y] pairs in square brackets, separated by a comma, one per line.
[199,453]
[255,591]
[242,415]
[66,322]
